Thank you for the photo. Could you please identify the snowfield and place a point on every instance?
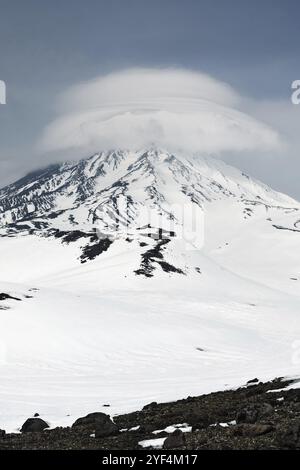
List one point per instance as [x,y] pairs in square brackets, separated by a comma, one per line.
[87,335]
[67,352]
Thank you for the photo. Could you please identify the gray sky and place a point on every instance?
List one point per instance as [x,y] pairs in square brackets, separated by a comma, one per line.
[47,47]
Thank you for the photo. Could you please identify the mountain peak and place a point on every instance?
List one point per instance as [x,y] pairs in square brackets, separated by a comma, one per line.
[129,195]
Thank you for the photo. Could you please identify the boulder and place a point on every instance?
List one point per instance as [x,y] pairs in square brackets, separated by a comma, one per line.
[174,440]
[260,429]
[99,423]
[253,413]
[252,430]
[2,433]
[198,420]
[247,415]
[106,429]
[252,381]
[34,425]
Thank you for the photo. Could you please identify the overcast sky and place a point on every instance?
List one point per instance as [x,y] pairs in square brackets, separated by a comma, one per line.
[49,51]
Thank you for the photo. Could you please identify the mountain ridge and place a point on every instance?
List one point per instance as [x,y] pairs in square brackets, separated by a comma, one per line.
[36,194]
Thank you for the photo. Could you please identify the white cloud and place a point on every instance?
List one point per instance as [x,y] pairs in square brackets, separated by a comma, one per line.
[172,108]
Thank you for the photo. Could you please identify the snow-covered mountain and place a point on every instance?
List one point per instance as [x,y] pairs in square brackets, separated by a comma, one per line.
[112,300]
[120,196]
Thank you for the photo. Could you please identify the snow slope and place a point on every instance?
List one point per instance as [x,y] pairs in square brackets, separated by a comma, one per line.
[98,332]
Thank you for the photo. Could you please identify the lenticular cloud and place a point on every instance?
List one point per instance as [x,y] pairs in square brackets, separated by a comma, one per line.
[173,109]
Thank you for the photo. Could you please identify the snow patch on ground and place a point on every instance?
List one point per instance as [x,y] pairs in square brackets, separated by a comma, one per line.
[154,443]
[169,429]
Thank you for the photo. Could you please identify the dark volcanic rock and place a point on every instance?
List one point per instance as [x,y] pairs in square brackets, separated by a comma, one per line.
[174,440]
[2,433]
[100,423]
[247,415]
[4,296]
[253,381]
[147,428]
[150,406]
[155,256]
[89,252]
[34,425]
[199,420]
[290,437]
[266,409]
[106,429]
[253,413]
[277,424]
[252,430]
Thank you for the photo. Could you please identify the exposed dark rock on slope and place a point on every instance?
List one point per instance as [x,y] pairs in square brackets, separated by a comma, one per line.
[251,417]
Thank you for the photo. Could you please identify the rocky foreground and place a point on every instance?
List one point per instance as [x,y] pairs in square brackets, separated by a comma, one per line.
[250,417]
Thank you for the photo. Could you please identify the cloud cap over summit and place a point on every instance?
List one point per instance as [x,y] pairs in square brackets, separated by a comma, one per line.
[172,108]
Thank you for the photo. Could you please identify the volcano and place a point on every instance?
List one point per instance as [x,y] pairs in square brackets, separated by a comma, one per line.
[142,275]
